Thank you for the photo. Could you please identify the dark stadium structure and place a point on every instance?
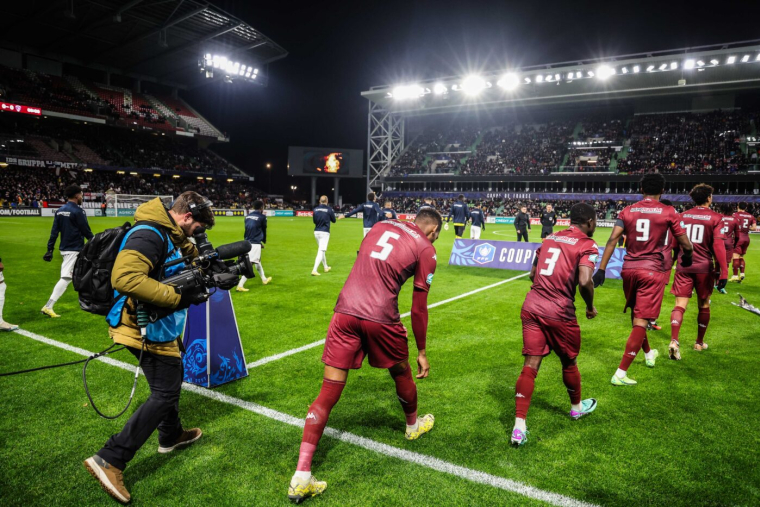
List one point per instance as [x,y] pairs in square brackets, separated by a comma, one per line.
[573,130]
[96,89]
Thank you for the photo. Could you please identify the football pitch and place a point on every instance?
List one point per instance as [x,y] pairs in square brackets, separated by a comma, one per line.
[685,435]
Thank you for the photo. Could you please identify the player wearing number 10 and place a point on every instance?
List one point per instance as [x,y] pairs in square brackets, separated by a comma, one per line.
[646,225]
[703,227]
[564,260]
[367,322]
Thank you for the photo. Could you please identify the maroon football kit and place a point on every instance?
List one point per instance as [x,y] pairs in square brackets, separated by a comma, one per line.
[367,320]
[646,225]
[745,221]
[548,313]
[703,227]
[731,232]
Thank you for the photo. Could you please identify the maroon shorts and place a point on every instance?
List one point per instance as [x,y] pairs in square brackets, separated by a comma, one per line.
[542,335]
[685,283]
[729,252]
[742,244]
[350,338]
[644,290]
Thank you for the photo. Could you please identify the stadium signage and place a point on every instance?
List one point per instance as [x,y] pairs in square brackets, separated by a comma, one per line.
[17,108]
[513,255]
[557,196]
[304,213]
[17,212]
[27,162]
[560,221]
[279,213]
[229,212]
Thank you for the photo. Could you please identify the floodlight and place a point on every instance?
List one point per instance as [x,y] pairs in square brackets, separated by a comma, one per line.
[216,61]
[625,70]
[254,76]
[731,59]
[570,76]
[548,78]
[673,65]
[223,62]
[508,81]
[439,89]
[714,61]
[255,71]
[663,66]
[539,78]
[578,75]
[604,71]
[745,58]
[556,77]
[700,63]
[650,68]
[590,73]
[527,80]
[242,71]
[689,64]
[473,84]
[404,92]
[208,56]
[757,58]
[248,73]
[636,69]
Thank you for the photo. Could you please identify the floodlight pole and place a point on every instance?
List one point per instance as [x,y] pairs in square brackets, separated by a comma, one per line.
[385,142]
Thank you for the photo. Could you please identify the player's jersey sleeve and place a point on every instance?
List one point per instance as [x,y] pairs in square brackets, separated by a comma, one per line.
[589,254]
[674,223]
[423,275]
[622,218]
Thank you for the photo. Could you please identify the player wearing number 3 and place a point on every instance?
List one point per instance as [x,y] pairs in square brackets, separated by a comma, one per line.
[367,323]
[646,225]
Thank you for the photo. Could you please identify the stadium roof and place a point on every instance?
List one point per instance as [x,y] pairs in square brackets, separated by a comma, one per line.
[154,40]
[721,68]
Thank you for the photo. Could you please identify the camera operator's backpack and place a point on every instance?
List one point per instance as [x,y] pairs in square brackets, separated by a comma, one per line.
[92,271]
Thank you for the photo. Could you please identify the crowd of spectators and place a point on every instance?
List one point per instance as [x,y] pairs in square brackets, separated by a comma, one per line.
[32,187]
[678,143]
[119,147]
[17,85]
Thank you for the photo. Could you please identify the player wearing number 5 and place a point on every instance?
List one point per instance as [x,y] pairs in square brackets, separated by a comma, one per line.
[703,227]
[367,323]
[646,225]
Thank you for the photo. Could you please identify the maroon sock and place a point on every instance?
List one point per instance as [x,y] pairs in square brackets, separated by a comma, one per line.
[632,346]
[524,390]
[406,391]
[741,265]
[703,320]
[676,318]
[645,345]
[572,379]
[735,264]
[316,420]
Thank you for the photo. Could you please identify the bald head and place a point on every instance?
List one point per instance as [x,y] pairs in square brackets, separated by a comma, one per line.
[323,199]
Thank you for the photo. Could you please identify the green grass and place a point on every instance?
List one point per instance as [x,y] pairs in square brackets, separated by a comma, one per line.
[686,435]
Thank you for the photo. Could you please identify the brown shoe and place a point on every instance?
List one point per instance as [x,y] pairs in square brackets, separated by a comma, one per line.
[186,438]
[110,477]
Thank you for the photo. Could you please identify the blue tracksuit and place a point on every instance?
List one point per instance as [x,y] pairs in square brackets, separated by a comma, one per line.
[478,218]
[323,216]
[388,210]
[71,222]
[461,213]
[256,228]
[371,213]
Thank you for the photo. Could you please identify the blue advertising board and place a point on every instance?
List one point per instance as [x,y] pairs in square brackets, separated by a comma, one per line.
[517,256]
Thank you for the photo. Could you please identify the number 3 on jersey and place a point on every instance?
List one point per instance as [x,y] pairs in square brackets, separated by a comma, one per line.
[551,261]
[387,248]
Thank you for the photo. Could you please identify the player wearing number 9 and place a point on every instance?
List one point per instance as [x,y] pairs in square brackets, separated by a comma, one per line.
[367,323]
[646,225]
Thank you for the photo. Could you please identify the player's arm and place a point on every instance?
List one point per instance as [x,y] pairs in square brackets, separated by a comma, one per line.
[84,226]
[533,267]
[753,225]
[737,232]
[682,241]
[719,250]
[419,328]
[332,215]
[53,237]
[609,249]
[353,212]
[586,289]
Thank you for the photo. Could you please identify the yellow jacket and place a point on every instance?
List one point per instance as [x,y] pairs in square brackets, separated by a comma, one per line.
[130,277]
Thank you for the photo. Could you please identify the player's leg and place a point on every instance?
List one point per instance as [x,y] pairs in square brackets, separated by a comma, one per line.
[240,286]
[343,351]
[67,268]
[704,290]
[735,264]
[256,249]
[320,253]
[4,326]
[564,338]
[366,231]
[742,265]
[406,392]
[323,245]
[683,285]
[535,348]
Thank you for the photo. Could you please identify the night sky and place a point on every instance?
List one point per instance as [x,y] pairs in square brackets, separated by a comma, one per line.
[338,49]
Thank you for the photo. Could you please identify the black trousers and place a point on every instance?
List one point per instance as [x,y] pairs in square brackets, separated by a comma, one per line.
[459,230]
[160,411]
[546,231]
[522,233]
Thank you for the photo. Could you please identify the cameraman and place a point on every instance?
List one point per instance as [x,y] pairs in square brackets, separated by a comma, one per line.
[163,237]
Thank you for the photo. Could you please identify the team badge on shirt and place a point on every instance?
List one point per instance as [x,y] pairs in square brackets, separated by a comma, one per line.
[429,279]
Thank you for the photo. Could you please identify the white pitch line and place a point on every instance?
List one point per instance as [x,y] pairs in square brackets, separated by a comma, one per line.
[344,436]
[269,359]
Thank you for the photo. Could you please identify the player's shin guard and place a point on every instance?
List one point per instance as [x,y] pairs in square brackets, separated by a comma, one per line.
[572,379]
[676,319]
[406,390]
[632,346]
[645,346]
[736,264]
[524,391]
[316,420]
[703,320]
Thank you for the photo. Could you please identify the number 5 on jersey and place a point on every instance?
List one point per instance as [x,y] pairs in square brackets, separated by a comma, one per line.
[387,248]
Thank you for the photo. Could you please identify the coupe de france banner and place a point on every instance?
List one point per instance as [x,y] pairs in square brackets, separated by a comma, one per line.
[517,256]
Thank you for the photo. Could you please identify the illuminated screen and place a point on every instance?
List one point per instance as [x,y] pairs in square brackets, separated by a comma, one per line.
[324,162]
